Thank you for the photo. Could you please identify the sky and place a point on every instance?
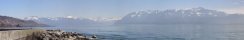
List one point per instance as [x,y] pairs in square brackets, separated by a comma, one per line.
[107,8]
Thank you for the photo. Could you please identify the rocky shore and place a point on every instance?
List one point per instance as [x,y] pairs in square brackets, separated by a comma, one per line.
[61,35]
[39,34]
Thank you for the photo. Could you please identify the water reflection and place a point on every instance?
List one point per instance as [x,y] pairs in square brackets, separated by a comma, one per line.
[162,32]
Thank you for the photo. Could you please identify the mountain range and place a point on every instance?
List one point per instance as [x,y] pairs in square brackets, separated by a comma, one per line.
[72,21]
[171,16]
[182,16]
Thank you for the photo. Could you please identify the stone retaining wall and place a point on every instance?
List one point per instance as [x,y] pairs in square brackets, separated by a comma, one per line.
[18,34]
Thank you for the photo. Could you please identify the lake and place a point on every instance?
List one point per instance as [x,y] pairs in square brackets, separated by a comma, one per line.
[161,32]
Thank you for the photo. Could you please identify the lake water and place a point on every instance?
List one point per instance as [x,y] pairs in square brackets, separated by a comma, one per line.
[161,32]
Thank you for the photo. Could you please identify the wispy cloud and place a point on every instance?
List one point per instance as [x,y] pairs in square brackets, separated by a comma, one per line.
[237,2]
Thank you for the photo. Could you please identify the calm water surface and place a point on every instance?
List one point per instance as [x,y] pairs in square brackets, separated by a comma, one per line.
[161,32]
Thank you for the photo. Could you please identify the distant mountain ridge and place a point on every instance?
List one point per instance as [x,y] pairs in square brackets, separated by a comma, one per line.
[171,16]
[182,16]
[72,21]
[6,21]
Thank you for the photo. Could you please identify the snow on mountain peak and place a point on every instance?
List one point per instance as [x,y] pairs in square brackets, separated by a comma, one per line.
[31,18]
[199,11]
[198,8]
[72,17]
[53,18]
[104,18]
[141,13]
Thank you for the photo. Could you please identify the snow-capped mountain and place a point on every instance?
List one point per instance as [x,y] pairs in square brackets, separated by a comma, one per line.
[181,16]
[48,18]
[105,20]
[71,20]
[61,21]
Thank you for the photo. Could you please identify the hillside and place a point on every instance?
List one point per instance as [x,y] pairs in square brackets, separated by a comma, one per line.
[6,21]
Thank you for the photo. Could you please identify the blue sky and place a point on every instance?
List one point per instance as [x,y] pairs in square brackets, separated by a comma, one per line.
[106,8]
